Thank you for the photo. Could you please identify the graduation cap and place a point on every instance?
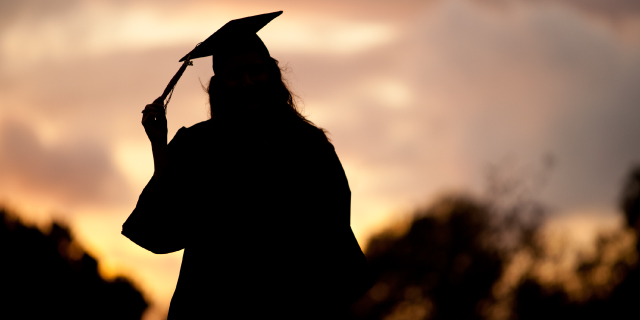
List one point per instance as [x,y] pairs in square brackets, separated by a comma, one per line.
[235,37]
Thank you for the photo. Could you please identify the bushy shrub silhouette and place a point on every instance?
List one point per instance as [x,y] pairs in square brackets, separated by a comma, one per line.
[609,280]
[454,257]
[444,265]
[50,276]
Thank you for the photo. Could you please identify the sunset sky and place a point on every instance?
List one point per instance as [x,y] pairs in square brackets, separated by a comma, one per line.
[421,98]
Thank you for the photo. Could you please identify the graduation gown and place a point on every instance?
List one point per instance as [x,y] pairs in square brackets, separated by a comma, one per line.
[265,224]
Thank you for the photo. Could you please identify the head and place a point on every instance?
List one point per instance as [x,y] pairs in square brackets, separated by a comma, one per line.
[249,88]
[242,86]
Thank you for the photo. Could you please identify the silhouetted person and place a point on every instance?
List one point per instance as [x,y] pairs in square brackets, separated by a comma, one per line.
[256,196]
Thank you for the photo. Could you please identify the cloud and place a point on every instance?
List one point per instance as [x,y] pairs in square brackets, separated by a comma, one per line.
[455,87]
[479,89]
[612,9]
[70,30]
[70,173]
[12,11]
[452,88]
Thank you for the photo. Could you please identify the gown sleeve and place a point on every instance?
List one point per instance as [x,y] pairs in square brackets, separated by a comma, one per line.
[158,223]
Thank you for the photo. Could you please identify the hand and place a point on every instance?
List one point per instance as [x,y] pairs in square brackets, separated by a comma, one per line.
[154,121]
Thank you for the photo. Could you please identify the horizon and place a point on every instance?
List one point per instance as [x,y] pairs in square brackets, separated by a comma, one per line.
[420,100]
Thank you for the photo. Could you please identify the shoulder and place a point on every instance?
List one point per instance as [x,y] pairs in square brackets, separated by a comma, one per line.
[185,134]
[312,135]
[198,129]
[187,139]
[312,144]
[200,126]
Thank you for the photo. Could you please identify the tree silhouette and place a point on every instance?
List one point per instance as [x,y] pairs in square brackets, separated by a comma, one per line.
[445,265]
[609,281]
[456,258]
[449,263]
[49,275]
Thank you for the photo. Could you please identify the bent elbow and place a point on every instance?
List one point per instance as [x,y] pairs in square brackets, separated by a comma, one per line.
[154,244]
[162,250]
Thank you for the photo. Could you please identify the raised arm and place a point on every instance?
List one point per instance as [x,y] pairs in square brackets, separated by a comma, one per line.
[154,121]
[157,223]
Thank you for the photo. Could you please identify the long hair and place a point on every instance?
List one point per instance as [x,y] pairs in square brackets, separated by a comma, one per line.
[283,101]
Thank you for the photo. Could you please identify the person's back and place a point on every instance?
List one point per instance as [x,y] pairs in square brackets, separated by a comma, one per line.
[258,199]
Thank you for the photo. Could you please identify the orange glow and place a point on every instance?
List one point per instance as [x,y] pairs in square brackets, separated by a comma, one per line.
[419,100]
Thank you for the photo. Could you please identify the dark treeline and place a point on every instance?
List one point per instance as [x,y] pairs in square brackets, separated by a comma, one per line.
[455,260]
[608,281]
[48,275]
[458,259]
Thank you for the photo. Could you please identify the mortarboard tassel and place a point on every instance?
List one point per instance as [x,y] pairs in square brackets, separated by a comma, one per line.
[168,91]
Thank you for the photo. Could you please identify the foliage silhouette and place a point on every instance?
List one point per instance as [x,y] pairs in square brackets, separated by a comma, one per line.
[609,281]
[50,276]
[445,265]
[454,257]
